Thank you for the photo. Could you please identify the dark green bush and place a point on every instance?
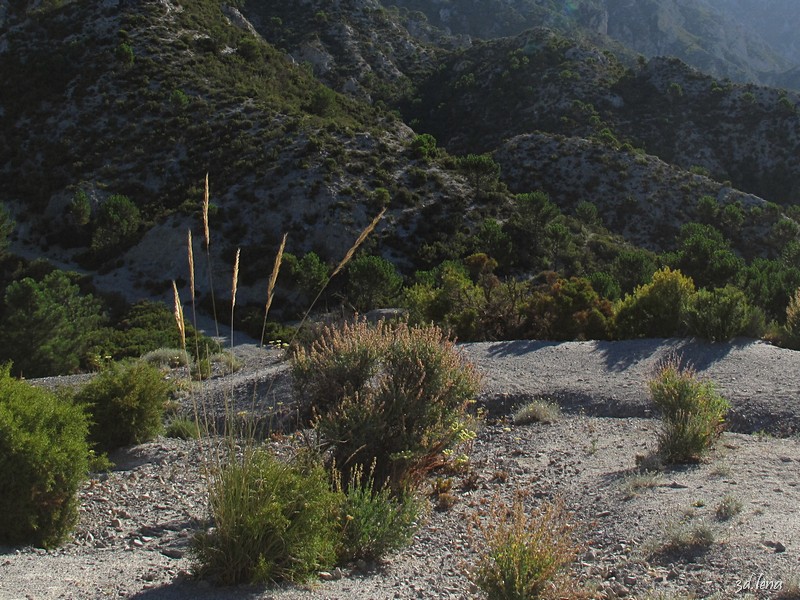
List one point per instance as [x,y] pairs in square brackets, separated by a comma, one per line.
[126,403]
[43,460]
[693,413]
[393,397]
[372,282]
[718,315]
[568,309]
[272,521]
[148,326]
[48,325]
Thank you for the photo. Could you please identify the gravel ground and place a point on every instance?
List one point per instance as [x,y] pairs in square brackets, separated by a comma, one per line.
[133,534]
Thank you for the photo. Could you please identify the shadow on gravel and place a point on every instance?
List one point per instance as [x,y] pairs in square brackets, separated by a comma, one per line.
[518,347]
[699,354]
[188,589]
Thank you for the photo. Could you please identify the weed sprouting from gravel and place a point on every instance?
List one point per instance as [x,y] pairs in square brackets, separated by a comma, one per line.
[539,410]
[729,507]
[522,551]
[634,483]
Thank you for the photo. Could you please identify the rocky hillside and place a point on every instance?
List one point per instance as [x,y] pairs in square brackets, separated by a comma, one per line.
[541,80]
[725,38]
[143,99]
[307,121]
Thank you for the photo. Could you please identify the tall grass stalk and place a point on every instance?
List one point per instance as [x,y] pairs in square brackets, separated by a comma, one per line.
[273,278]
[348,255]
[207,235]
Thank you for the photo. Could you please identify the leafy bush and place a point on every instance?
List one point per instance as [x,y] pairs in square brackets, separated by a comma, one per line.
[424,146]
[374,522]
[393,395]
[718,315]
[372,282]
[272,521]
[48,325]
[523,552]
[656,308]
[43,459]
[126,403]
[118,220]
[148,326]
[693,413]
[567,310]
[793,321]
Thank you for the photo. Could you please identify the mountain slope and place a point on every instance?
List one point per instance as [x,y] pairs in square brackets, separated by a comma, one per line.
[543,81]
[717,37]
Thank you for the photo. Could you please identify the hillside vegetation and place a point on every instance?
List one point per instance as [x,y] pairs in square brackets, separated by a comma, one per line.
[517,172]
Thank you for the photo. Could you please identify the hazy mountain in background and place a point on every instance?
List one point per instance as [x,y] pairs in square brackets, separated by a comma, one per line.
[733,39]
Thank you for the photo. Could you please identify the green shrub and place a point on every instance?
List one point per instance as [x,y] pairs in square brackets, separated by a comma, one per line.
[372,282]
[693,413]
[48,325]
[567,310]
[393,395]
[126,403]
[718,315]
[272,521]
[792,326]
[374,522]
[118,220]
[523,553]
[148,326]
[656,308]
[43,461]
[183,428]
[424,146]
[167,357]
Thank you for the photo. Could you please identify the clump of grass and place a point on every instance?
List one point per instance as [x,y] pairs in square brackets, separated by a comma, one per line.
[273,521]
[374,522]
[693,413]
[729,507]
[183,428]
[167,357]
[229,361]
[539,410]
[634,483]
[523,552]
[685,537]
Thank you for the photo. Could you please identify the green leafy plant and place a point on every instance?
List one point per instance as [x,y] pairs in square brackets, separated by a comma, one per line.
[126,403]
[48,325]
[693,413]
[183,428]
[523,552]
[792,327]
[272,521]
[394,395]
[43,459]
[656,308]
[718,315]
[374,521]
